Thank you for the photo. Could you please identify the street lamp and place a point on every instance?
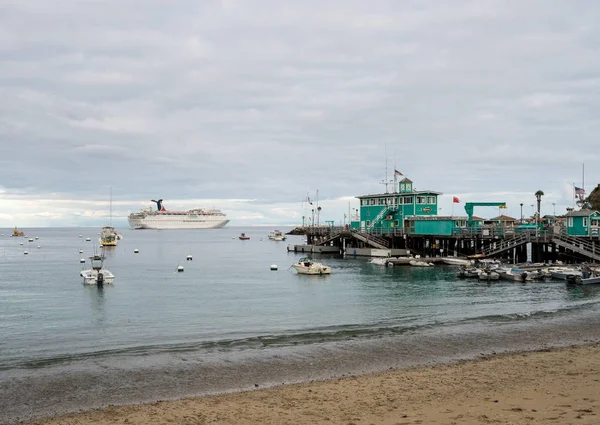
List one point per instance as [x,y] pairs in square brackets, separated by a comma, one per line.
[554,206]
[521,211]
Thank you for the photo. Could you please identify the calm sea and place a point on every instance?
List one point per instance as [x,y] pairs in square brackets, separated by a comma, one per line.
[228,307]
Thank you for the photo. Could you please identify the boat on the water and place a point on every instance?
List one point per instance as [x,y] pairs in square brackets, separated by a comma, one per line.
[453,261]
[198,218]
[420,263]
[565,273]
[243,237]
[307,266]
[97,274]
[277,235]
[380,261]
[108,236]
[16,232]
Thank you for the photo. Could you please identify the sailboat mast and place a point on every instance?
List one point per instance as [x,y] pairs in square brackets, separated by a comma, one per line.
[110,216]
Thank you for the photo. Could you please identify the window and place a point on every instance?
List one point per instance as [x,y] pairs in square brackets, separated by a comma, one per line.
[594,222]
[431,200]
[585,220]
[368,222]
[407,199]
[402,187]
[362,202]
[570,222]
[421,199]
[397,222]
[408,187]
[381,201]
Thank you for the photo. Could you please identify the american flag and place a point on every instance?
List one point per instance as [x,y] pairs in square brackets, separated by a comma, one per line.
[580,192]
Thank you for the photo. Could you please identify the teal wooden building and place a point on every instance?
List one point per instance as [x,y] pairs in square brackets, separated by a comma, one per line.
[386,211]
[583,223]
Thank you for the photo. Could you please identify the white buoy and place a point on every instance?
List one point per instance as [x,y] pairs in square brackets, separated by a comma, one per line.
[135,251]
[37,237]
[25,253]
[79,235]
[39,246]
[82,260]
[179,268]
[87,239]
[233,237]
[81,251]
[273,266]
[20,243]
[189,258]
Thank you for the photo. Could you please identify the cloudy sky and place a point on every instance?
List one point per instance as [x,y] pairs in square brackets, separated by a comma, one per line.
[247,106]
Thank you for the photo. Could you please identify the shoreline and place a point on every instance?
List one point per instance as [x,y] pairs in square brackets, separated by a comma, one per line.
[37,394]
[545,386]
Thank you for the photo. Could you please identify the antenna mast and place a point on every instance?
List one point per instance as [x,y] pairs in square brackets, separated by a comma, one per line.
[386,182]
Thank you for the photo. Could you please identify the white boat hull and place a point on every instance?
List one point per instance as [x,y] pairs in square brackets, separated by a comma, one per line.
[90,277]
[456,261]
[165,222]
[303,267]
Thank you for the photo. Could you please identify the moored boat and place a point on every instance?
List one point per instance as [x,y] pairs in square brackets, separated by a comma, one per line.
[277,235]
[108,236]
[307,266]
[243,237]
[453,261]
[97,274]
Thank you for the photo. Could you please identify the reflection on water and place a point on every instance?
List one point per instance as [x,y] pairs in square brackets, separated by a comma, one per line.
[98,303]
[580,292]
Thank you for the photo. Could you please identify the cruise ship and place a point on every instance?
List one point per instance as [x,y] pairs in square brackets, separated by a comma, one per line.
[162,219]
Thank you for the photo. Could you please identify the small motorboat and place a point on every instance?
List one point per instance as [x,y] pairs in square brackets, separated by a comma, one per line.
[420,263]
[277,235]
[453,261]
[243,237]
[97,274]
[380,261]
[308,266]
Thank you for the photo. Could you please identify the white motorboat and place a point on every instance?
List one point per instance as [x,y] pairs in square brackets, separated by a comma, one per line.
[277,235]
[453,261]
[594,279]
[308,266]
[488,275]
[468,272]
[420,263]
[97,274]
[380,261]
[564,273]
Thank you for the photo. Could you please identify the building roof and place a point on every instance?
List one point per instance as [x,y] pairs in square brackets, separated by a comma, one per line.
[440,217]
[414,192]
[405,180]
[581,213]
[503,218]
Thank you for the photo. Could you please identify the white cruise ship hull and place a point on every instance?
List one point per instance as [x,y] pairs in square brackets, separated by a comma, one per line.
[165,221]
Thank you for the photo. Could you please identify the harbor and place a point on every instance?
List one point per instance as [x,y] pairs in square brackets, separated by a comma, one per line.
[405,223]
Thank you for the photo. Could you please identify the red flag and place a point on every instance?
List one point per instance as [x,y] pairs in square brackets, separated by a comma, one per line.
[455,200]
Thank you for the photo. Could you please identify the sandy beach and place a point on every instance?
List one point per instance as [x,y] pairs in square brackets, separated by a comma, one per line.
[559,386]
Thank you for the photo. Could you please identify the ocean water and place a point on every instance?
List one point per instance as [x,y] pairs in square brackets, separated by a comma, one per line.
[232,321]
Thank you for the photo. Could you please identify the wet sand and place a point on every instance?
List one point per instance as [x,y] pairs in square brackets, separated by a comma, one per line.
[559,386]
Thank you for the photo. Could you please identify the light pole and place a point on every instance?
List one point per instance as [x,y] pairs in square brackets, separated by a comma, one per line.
[521,212]
[554,207]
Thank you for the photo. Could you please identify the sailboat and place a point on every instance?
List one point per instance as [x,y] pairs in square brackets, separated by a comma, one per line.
[108,235]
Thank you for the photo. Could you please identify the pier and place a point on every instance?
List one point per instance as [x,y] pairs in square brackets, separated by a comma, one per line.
[504,243]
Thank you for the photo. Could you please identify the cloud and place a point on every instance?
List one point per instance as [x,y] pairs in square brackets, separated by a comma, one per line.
[264,100]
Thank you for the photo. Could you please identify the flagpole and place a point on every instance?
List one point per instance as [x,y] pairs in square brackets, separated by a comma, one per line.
[583,177]
[573,195]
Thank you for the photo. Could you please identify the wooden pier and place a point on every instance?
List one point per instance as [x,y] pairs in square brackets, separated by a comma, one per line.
[505,244]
